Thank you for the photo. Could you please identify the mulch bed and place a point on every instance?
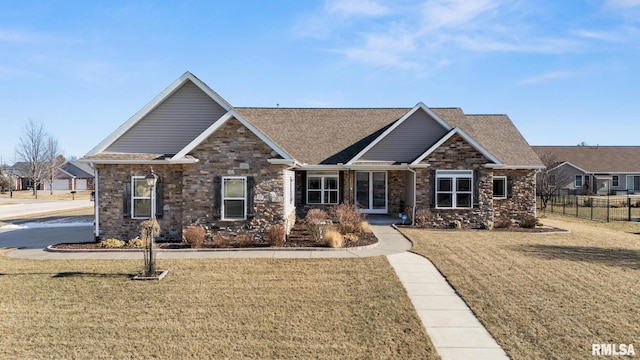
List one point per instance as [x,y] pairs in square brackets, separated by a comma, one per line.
[298,238]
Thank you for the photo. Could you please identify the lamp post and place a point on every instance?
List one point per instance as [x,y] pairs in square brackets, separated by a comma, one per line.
[151,180]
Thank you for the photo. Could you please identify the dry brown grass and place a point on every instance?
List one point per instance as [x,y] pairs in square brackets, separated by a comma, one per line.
[545,296]
[215,308]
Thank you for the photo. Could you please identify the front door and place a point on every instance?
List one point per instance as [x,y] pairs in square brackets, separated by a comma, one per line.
[371,191]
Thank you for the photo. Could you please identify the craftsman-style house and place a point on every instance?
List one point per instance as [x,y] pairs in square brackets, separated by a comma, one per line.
[243,169]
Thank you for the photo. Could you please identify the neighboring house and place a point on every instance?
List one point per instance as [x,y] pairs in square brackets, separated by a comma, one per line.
[243,169]
[20,174]
[72,175]
[596,169]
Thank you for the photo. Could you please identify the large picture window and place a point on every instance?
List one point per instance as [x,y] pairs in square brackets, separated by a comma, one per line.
[234,198]
[140,201]
[322,188]
[454,189]
[499,187]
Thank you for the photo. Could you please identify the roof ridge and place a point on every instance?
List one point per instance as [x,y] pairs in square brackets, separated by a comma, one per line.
[321,108]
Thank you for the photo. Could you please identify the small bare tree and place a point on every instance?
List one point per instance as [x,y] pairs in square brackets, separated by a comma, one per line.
[38,150]
[53,159]
[550,180]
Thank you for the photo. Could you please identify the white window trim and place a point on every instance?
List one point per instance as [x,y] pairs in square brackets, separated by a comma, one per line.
[223,198]
[576,181]
[504,178]
[615,181]
[631,182]
[453,175]
[134,198]
[322,190]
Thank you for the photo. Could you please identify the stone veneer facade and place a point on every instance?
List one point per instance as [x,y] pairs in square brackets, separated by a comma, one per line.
[190,191]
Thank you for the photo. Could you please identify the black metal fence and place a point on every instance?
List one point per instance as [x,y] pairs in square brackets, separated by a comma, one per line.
[600,208]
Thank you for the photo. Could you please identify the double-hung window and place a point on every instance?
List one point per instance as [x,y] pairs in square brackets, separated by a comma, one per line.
[234,198]
[578,181]
[141,198]
[322,188]
[499,187]
[454,189]
[615,180]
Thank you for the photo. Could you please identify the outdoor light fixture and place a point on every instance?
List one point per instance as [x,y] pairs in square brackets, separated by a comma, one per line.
[151,178]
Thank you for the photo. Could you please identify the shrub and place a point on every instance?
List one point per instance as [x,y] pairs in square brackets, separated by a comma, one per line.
[194,236]
[455,224]
[528,222]
[502,223]
[333,239]
[276,235]
[136,242]
[316,221]
[222,240]
[348,217]
[111,243]
[350,237]
[424,218]
[486,225]
[149,228]
[364,227]
[244,240]
[316,216]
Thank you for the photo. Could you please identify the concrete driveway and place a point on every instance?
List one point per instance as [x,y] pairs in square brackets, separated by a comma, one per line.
[15,208]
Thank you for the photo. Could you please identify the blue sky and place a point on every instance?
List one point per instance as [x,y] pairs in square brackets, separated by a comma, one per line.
[564,71]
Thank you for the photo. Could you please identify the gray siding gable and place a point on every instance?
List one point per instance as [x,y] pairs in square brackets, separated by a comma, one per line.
[172,125]
[407,141]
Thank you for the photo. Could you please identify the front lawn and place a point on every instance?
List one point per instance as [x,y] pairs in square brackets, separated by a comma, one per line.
[227,308]
[545,296]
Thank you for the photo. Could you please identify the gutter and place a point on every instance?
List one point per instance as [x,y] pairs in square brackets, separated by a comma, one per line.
[140,162]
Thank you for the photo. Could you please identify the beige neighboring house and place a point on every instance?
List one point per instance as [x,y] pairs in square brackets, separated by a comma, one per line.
[597,170]
[242,169]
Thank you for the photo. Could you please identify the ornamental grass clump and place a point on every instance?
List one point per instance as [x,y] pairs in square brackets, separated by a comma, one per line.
[333,238]
[112,243]
[276,235]
[136,242]
[193,236]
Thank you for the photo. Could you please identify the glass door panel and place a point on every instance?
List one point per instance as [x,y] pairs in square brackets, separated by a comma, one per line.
[362,190]
[371,191]
[379,190]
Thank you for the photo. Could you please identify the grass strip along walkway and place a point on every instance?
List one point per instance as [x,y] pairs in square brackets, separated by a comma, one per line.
[545,296]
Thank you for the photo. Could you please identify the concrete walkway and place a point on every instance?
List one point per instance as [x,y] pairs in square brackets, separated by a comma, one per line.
[454,330]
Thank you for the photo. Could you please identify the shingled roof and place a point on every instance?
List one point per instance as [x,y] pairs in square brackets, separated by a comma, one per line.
[335,135]
[597,159]
[307,135]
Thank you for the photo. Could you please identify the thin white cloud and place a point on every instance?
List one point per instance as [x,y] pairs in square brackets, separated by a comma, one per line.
[623,3]
[546,77]
[453,13]
[356,8]
[421,34]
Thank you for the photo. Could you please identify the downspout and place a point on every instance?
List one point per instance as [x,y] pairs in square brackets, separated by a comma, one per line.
[95,204]
[284,206]
[415,185]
